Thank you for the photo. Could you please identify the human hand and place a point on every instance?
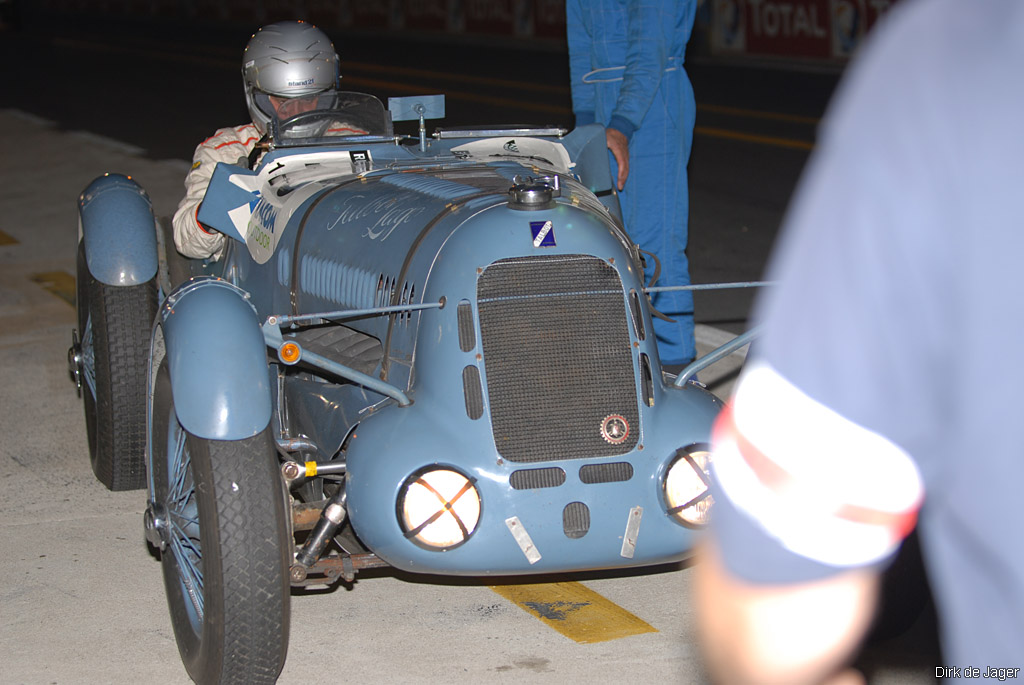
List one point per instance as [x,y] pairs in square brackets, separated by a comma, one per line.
[619,146]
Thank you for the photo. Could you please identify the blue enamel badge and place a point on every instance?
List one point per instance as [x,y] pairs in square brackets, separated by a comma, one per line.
[543,233]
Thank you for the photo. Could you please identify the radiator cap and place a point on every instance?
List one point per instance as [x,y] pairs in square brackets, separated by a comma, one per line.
[534,193]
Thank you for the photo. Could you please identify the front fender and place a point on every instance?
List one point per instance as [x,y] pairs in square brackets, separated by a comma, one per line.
[117,225]
[217,360]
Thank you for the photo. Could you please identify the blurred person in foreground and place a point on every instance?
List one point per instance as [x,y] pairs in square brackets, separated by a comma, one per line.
[885,389]
[626,66]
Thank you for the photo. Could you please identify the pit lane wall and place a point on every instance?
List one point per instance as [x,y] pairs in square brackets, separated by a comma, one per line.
[783,30]
[542,21]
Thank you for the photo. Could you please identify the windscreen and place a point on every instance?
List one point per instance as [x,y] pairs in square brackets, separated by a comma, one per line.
[324,117]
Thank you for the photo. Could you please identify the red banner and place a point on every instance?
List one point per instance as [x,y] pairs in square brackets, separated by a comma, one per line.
[520,19]
[816,29]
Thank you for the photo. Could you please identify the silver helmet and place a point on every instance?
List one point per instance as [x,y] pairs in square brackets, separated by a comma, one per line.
[286,60]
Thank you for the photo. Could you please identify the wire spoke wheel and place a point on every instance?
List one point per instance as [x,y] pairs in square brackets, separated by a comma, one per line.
[226,548]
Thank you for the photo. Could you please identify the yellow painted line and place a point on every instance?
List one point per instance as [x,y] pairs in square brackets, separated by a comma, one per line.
[6,239]
[753,138]
[758,114]
[60,283]
[575,611]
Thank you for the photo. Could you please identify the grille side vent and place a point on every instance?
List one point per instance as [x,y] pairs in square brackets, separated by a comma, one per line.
[473,391]
[617,472]
[530,479]
[467,336]
[637,314]
[647,380]
[575,520]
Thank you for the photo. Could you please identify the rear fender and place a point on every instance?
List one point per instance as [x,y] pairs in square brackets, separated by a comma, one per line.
[218,360]
[117,225]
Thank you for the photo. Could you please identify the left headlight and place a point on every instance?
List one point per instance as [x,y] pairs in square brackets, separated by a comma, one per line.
[687,486]
[438,508]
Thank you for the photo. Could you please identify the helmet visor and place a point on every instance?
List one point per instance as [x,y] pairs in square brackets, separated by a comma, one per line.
[286,108]
[279,108]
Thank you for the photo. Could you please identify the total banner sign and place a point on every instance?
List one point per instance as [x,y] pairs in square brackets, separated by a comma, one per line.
[801,29]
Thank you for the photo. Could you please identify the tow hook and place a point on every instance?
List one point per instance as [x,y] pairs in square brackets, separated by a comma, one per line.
[75,361]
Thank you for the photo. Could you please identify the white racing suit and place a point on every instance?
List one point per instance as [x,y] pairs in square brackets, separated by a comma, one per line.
[226,145]
[231,146]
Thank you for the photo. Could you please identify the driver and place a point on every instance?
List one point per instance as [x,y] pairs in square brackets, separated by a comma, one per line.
[287,68]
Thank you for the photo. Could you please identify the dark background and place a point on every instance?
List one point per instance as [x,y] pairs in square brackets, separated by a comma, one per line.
[165,84]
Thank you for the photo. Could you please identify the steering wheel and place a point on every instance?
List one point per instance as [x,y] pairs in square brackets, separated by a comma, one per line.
[322,115]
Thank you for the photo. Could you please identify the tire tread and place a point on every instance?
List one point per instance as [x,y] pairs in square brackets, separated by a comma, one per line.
[122,318]
[253,565]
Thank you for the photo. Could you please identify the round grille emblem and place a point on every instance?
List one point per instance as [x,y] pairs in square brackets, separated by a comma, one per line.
[615,429]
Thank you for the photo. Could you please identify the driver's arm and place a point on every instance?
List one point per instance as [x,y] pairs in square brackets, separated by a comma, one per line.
[226,145]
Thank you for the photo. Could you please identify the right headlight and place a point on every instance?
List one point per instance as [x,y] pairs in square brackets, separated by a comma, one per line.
[687,486]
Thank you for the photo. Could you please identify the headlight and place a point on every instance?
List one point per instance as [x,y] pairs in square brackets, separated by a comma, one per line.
[687,486]
[438,508]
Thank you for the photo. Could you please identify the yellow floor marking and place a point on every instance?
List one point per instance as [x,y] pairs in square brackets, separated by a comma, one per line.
[753,138]
[758,114]
[6,239]
[60,283]
[575,611]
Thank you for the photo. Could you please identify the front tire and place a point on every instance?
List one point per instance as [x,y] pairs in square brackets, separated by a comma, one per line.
[114,324]
[226,548]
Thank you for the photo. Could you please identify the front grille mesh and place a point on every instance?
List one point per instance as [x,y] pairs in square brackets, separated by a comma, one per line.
[557,357]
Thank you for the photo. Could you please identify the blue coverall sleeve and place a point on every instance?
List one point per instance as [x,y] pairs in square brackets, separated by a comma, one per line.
[649,31]
[579,63]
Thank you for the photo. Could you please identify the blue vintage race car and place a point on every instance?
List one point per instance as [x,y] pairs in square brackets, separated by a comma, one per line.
[431,354]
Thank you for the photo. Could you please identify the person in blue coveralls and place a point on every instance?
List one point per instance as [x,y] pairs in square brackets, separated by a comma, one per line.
[626,65]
